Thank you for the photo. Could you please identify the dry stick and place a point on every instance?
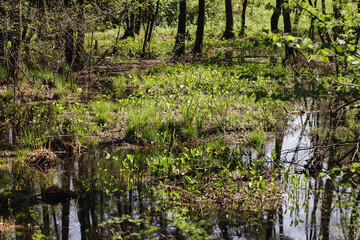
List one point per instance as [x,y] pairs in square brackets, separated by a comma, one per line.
[345,105]
[23,71]
[118,34]
[116,41]
[356,153]
[212,111]
[178,188]
[277,102]
[73,59]
[55,223]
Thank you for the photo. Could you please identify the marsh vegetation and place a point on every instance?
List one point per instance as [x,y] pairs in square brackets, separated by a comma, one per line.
[178,120]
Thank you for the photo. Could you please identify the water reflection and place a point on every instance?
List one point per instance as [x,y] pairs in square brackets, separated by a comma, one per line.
[94,188]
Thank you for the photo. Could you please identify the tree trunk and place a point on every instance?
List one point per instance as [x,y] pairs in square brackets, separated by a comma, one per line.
[323,36]
[130,22]
[80,54]
[289,51]
[229,30]
[337,9]
[69,38]
[243,16]
[138,16]
[147,32]
[149,28]
[357,29]
[179,48]
[275,17]
[312,27]
[15,51]
[200,28]
[3,31]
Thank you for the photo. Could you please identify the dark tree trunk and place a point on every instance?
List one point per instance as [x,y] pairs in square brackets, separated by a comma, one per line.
[323,36]
[69,38]
[16,39]
[153,21]
[275,17]
[139,17]
[80,54]
[354,219]
[147,32]
[286,17]
[75,54]
[65,210]
[312,27]
[326,208]
[130,30]
[336,9]
[149,28]
[358,29]
[69,45]
[289,51]
[130,22]
[2,43]
[200,28]
[229,30]
[3,30]
[27,53]
[179,48]
[243,17]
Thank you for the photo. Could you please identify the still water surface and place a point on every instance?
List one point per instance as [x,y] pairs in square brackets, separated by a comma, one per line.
[94,178]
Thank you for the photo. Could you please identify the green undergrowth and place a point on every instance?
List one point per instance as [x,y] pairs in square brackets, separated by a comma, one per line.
[193,187]
[165,105]
[190,100]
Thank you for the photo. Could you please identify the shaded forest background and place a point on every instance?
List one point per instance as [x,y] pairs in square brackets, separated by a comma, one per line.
[61,36]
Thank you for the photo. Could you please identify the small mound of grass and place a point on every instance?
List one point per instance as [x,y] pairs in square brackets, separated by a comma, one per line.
[5,227]
[41,160]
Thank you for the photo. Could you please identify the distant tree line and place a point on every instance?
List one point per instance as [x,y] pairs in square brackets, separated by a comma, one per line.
[62,25]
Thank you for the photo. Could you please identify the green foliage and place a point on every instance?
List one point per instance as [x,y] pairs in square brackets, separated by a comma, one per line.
[234,93]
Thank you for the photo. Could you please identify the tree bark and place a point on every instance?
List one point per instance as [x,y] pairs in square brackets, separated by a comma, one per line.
[323,36]
[200,28]
[80,54]
[69,38]
[229,30]
[243,17]
[16,40]
[149,28]
[311,29]
[275,17]
[179,48]
[138,16]
[130,22]
[3,15]
[289,51]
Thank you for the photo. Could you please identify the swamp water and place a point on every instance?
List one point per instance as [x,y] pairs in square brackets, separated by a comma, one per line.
[107,192]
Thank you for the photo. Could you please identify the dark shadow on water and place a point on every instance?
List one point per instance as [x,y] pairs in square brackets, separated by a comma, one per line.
[103,185]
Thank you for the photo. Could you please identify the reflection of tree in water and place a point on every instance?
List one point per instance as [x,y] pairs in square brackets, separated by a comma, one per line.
[94,206]
[333,145]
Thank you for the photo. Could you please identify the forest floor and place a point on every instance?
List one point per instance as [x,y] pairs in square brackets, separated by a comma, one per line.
[202,146]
